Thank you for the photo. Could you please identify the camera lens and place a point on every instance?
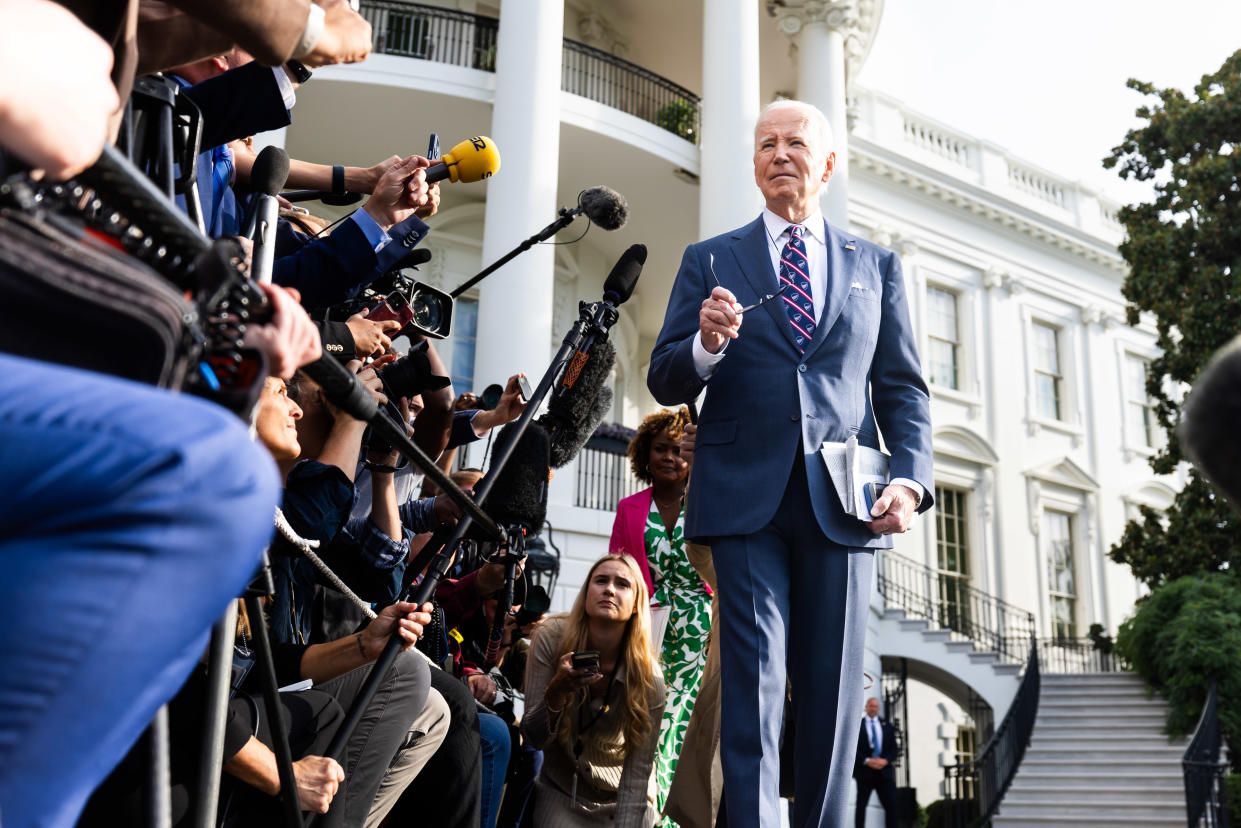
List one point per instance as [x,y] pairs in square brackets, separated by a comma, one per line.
[411,375]
[428,312]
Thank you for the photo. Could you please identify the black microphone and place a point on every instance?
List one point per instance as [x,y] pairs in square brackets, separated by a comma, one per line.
[605,207]
[575,410]
[267,176]
[619,285]
[517,499]
[1208,426]
[518,496]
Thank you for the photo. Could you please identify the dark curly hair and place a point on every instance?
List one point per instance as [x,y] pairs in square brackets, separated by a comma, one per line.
[673,422]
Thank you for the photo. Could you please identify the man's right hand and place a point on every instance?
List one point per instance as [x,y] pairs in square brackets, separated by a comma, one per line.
[318,778]
[370,338]
[346,36]
[719,319]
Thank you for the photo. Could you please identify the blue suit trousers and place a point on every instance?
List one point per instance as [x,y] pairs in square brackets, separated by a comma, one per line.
[130,517]
[793,605]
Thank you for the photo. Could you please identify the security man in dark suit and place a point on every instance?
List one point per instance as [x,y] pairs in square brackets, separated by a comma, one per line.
[876,751]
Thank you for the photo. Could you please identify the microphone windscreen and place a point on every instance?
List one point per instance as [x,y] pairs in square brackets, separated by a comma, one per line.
[270,171]
[570,438]
[575,399]
[1208,428]
[519,493]
[619,285]
[471,160]
[605,207]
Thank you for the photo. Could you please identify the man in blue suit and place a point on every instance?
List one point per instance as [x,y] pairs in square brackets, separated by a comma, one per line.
[831,356]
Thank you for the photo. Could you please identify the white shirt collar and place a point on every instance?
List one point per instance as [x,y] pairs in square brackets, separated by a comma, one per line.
[776,225]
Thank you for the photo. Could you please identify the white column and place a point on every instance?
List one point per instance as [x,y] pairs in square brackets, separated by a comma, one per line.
[727,195]
[827,32]
[515,303]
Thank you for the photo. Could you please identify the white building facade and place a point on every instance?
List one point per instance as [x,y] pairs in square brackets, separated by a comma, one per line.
[1042,429]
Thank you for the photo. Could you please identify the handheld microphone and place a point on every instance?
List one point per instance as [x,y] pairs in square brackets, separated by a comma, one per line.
[267,176]
[474,159]
[1208,428]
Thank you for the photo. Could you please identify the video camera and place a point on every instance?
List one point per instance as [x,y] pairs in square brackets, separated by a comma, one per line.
[420,308]
[407,377]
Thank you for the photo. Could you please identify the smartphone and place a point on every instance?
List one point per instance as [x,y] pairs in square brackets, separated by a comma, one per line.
[394,306]
[433,147]
[873,490]
[586,660]
[523,389]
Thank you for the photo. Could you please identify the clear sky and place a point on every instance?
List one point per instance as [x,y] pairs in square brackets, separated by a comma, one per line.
[1046,80]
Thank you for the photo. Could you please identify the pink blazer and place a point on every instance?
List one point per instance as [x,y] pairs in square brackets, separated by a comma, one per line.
[629,532]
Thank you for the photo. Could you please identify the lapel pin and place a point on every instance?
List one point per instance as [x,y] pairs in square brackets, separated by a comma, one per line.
[850,247]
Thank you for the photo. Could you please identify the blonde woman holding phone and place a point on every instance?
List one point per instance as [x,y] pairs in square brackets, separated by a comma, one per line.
[594,698]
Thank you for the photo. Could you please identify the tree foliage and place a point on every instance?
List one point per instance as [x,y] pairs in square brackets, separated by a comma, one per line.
[1184,254]
[1183,635]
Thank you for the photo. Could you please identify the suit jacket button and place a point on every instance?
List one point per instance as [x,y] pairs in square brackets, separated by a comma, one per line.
[794,417]
[802,367]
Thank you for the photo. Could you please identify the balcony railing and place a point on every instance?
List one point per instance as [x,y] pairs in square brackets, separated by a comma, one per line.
[951,604]
[462,39]
[603,475]
[1078,655]
[973,790]
[1205,803]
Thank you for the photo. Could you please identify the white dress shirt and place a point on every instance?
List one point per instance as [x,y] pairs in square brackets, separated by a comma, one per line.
[815,239]
[876,734]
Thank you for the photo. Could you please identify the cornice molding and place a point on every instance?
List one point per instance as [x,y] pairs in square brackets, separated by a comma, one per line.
[1013,217]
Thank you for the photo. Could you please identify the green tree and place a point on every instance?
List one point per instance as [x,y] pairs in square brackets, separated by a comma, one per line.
[1183,249]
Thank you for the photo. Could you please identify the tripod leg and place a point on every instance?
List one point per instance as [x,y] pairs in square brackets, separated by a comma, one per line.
[279,724]
[215,718]
[158,789]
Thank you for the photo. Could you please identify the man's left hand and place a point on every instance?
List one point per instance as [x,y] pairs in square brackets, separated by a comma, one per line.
[893,510]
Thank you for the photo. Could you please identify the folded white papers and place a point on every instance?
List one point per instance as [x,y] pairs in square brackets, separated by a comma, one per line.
[851,468]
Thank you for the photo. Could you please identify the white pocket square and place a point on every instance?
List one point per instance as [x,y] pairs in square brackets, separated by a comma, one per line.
[857,286]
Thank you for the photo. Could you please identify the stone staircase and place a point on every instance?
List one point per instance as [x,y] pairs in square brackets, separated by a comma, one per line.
[1097,757]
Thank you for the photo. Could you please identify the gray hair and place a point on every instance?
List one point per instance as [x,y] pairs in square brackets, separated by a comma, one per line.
[818,121]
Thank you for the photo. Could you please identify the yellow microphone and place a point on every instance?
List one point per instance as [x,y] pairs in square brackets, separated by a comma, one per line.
[474,159]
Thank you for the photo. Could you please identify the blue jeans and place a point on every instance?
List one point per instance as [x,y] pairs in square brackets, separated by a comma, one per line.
[495,743]
[130,517]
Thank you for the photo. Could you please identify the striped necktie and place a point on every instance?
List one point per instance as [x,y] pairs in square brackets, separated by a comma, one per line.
[798,302]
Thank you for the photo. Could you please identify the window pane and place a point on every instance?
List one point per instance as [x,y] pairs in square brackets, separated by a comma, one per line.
[1046,356]
[1061,586]
[1047,396]
[942,363]
[464,335]
[941,313]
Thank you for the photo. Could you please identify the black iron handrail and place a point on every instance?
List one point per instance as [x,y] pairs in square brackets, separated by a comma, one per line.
[1078,655]
[973,790]
[432,33]
[462,39]
[951,604]
[1205,804]
[603,475]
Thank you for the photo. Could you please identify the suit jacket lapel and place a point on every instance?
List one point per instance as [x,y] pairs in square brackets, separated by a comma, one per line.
[841,263]
[750,250]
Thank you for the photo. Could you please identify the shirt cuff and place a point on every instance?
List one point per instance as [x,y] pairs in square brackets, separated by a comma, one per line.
[704,360]
[287,92]
[376,235]
[910,484]
[378,550]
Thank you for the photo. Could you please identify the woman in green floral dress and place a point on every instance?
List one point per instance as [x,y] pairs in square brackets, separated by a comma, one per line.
[649,526]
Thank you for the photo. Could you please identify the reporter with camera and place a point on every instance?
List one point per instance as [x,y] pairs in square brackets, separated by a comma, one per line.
[596,717]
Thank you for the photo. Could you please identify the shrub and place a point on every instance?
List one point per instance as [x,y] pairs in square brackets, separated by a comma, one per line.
[1184,634]
[679,117]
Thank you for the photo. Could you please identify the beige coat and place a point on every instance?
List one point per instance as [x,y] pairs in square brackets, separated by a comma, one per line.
[694,797]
